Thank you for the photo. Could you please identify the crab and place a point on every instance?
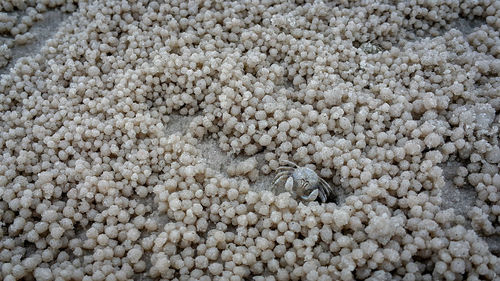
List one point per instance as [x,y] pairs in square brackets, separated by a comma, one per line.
[303,182]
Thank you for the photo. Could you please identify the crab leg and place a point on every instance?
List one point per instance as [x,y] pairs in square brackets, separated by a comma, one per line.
[290,163]
[276,181]
[327,187]
[289,184]
[325,192]
[279,177]
[285,168]
[280,174]
[322,196]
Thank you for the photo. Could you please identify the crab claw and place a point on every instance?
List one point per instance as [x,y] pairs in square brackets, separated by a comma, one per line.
[289,184]
[312,196]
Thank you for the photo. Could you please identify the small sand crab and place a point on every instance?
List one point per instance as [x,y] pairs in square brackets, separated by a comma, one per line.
[303,182]
[370,48]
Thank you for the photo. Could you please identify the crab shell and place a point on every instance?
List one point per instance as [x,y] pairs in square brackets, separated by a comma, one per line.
[304,182]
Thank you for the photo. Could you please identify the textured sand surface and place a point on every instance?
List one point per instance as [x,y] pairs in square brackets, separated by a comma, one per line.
[215,154]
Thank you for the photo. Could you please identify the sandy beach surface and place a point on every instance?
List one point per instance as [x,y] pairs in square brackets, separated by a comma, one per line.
[140,140]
